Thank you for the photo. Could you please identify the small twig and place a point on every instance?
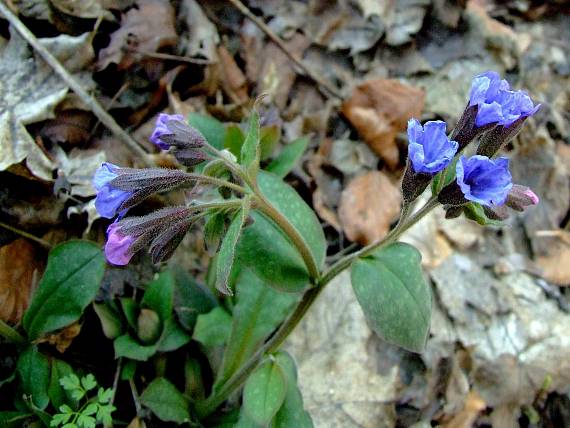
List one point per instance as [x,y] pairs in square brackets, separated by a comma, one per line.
[70,81]
[40,241]
[170,57]
[328,89]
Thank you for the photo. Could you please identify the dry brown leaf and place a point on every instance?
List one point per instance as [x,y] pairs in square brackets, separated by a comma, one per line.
[379,109]
[70,126]
[474,404]
[368,206]
[148,28]
[63,338]
[232,78]
[19,269]
[555,264]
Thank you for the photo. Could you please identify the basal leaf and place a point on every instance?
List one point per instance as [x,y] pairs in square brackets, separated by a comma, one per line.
[127,346]
[159,295]
[70,282]
[264,392]
[165,401]
[34,372]
[214,328]
[288,158]
[395,298]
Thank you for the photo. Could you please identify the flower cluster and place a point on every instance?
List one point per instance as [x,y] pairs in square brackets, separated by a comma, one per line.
[494,115]
[119,189]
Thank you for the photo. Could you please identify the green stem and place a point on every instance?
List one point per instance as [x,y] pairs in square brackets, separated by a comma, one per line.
[207,406]
[10,334]
[265,206]
[219,182]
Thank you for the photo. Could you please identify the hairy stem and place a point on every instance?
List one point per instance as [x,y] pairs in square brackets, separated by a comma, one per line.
[265,206]
[207,406]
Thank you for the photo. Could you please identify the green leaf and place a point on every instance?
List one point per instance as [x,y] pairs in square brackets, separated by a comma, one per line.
[395,298]
[59,419]
[57,394]
[13,419]
[292,412]
[126,346]
[110,320]
[258,312]
[234,139]
[225,257]
[264,392]
[214,328]
[212,129]
[130,310]
[269,136]
[34,371]
[86,421]
[165,401]
[70,282]
[266,250]
[104,395]
[214,231]
[70,382]
[88,382]
[190,298]
[288,158]
[447,175]
[159,295]
[474,211]
[173,336]
[251,151]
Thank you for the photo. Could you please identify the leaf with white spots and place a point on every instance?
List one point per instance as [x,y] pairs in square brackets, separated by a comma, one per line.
[396,300]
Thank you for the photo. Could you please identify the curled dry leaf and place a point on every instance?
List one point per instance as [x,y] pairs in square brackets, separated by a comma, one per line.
[368,206]
[20,266]
[147,29]
[63,338]
[379,109]
[555,264]
[232,78]
[29,90]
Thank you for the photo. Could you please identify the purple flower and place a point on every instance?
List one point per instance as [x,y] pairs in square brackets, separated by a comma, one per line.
[429,149]
[521,197]
[497,103]
[161,128]
[118,246]
[109,198]
[483,180]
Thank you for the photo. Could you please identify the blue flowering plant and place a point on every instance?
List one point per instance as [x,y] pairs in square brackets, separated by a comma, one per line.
[268,248]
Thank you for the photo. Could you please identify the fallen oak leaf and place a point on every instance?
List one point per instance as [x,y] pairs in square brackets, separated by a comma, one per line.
[379,109]
[368,205]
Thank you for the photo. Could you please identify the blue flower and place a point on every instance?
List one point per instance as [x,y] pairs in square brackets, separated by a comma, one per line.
[484,180]
[497,103]
[108,199]
[161,128]
[429,149]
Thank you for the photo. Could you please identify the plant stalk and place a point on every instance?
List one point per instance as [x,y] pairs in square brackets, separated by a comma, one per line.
[209,405]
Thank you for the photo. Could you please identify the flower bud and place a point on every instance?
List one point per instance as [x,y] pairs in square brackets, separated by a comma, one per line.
[494,212]
[148,326]
[521,197]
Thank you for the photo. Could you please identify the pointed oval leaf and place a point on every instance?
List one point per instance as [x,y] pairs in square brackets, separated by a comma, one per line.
[34,372]
[395,298]
[251,150]
[266,250]
[264,392]
[165,401]
[288,158]
[292,413]
[225,258]
[70,282]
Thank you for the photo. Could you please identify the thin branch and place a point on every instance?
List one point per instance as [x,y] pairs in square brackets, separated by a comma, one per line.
[70,81]
[327,87]
[27,235]
[170,57]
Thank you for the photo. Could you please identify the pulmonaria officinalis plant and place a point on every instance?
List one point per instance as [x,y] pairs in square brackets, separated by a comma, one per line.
[269,249]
